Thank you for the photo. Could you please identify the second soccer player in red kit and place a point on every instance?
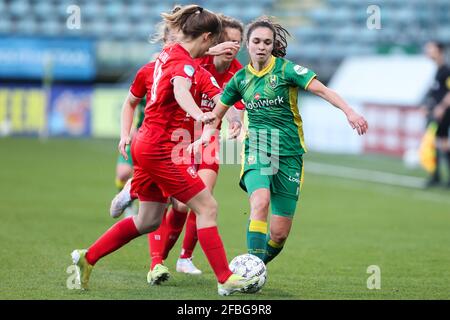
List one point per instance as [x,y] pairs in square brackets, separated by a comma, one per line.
[156,175]
[222,67]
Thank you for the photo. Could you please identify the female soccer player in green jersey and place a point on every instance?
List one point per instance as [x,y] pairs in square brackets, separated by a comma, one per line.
[272,166]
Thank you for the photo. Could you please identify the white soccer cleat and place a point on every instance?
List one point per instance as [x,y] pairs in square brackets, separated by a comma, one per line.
[121,201]
[187,266]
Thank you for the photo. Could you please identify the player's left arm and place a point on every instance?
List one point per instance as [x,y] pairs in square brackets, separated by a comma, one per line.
[441,107]
[126,122]
[355,120]
[234,117]
[223,48]
[444,104]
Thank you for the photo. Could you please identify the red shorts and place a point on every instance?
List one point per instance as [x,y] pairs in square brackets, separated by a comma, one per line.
[209,157]
[156,176]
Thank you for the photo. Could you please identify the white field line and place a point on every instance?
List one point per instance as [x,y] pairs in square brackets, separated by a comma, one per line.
[364,175]
[378,177]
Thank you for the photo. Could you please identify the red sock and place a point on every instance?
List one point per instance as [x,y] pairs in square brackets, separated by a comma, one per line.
[190,236]
[174,225]
[156,240]
[212,245]
[115,237]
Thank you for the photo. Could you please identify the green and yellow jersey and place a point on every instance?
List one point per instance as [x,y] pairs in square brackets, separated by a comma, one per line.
[271,100]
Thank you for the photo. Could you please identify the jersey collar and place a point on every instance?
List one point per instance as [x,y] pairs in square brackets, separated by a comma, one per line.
[264,71]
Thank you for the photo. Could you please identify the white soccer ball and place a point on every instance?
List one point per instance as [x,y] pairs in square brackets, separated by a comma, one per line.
[248,265]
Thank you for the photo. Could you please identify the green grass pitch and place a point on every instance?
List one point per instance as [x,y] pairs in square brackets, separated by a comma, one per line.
[55,197]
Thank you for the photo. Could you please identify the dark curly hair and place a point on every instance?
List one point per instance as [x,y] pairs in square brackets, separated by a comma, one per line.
[279,34]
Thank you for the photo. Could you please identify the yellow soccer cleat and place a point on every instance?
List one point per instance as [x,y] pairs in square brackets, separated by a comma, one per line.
[84,268]
[159,274]
[236,283]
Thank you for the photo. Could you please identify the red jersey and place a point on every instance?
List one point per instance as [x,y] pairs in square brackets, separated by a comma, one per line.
[204,88]
[207,62]
[163,115]
[143,81]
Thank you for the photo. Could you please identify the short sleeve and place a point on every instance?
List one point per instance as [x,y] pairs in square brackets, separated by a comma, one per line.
[231,93]
[182,68]
[209,85]
[298,75]
[138,88]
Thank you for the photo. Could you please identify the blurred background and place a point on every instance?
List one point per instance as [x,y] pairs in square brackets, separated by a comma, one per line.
[65,70]
[65,65]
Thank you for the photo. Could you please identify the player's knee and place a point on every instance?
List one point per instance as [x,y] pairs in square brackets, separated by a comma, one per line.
[147,225]
[209,209]
[123,176]
[260,206]
[279,236]
[179,206]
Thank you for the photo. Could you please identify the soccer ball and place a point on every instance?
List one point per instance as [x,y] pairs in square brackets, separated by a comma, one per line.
[248,265]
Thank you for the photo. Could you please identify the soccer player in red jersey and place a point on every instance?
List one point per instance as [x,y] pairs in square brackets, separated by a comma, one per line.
[222,67]
[156,175]
[204,90]
[206,93]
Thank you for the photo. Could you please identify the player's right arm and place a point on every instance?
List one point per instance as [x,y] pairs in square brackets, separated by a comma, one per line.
[223,48]
[355,120]
[127,117]
[137,92]
[441,107]
[229,97]
[183,96]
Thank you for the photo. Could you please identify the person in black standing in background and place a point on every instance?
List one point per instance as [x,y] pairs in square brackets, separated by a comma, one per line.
[438,109]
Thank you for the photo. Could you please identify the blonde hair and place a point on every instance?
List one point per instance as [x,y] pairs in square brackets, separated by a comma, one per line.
[162,29]
[193,21]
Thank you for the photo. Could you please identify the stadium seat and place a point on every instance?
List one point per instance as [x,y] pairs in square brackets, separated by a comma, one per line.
[91,11]
[113,10]
[26,26]
[51,27]
[137,11]
[6,25]
[19,8]
[43,9]
[121,30]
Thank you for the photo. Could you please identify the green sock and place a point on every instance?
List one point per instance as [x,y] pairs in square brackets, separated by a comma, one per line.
[256,238]
[272,249]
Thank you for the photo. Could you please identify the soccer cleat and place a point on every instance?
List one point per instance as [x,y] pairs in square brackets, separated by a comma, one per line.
[187,266]
[159,274]
[236,283]
[121,201]
[84,268]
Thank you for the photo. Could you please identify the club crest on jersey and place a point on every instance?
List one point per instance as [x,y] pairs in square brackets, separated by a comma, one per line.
[273,81]
[251,159]
[189,70]
[257,96]
[300,70]
[192,172]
